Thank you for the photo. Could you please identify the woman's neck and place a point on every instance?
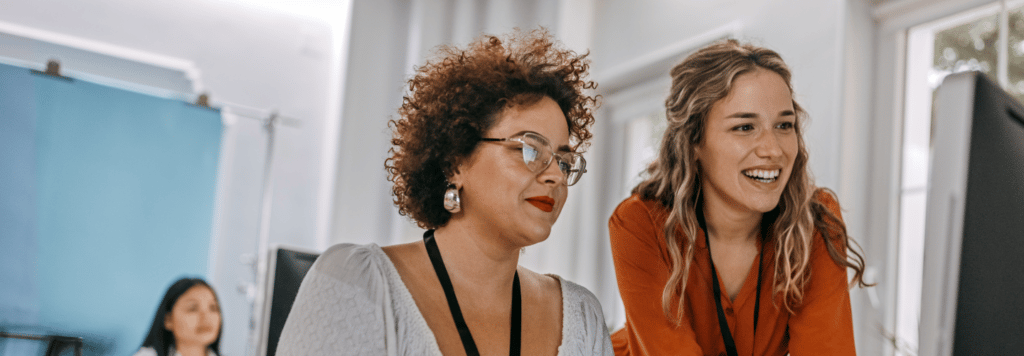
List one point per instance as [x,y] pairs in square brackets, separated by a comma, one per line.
[188,349]
[478,256]
[730,225]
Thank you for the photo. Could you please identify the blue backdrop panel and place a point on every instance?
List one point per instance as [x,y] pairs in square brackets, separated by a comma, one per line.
[19,294]
[124,193]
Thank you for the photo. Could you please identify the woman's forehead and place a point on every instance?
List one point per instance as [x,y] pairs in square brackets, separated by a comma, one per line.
[199,292]
[759,92]
[543,117]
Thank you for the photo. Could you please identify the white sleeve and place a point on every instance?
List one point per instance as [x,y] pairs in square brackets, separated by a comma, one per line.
[340,308]
[586,325]
[597,331]
[145,351]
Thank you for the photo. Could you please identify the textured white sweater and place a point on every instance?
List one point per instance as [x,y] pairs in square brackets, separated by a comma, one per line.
[353,302]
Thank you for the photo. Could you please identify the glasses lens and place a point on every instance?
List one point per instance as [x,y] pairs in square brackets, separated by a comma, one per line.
[564,166]
[530,154]
[579,166]
[536,153]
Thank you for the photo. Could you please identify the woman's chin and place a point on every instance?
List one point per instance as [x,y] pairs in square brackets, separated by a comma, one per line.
[764,204]
[207,339]
[536,236]
[767,208]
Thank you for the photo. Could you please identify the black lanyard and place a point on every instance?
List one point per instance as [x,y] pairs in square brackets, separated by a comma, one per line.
[453,303]
[730,344]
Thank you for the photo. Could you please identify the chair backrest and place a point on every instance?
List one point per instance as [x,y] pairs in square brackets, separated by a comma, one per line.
[58,344]
[55,344]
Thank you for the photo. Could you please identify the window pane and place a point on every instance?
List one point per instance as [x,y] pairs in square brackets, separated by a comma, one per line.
[970,46]
[963,42]
[643,141]
[1015,42]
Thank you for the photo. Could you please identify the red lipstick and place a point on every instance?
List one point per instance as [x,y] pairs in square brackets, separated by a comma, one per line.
[547,204]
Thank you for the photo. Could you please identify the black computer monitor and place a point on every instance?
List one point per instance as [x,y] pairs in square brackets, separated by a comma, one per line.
[288,266]
[972,300]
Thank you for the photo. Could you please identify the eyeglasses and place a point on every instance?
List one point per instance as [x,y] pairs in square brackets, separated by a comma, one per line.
[537,154]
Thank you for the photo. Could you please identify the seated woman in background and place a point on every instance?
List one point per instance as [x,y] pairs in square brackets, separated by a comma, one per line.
[187,322]
[728,247]
[487,145]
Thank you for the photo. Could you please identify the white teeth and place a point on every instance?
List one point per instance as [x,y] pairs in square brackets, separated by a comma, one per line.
[763,175]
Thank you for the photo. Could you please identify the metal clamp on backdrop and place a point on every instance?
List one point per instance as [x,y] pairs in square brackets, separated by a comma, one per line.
[52,70]
[203,100]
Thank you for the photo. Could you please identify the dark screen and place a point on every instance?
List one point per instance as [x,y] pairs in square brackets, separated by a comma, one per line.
[990,296]
[291,269]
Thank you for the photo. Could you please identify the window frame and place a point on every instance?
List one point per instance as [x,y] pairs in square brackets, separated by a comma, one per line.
[894,19]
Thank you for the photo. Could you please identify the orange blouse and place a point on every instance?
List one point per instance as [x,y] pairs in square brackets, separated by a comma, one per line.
[821,325]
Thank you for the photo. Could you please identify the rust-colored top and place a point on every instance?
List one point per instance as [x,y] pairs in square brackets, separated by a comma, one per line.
[822,325]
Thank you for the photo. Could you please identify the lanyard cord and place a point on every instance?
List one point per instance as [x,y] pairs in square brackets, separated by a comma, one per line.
[453,303]
[730,344]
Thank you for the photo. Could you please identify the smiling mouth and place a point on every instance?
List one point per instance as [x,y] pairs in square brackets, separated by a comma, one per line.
[546,204]
[763,175]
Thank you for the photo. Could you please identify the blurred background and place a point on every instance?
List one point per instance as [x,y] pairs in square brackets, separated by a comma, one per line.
[290,149]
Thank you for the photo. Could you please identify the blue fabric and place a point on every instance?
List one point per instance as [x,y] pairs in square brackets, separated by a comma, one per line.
[19,296]
[121,205]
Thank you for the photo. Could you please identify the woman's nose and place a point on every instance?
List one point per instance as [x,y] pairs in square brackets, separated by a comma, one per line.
[552,174]
[768,145]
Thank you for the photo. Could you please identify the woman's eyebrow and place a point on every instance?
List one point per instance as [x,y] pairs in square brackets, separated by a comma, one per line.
[742,115]
[750,115]
[562,148]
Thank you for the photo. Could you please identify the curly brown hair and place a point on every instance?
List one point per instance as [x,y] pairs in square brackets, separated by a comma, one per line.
[458,95]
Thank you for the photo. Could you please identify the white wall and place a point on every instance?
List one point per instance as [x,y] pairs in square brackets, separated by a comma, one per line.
[244,55]
[376,70]
[856,169]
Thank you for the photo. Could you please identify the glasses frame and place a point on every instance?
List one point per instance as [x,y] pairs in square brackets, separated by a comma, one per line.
[567,157]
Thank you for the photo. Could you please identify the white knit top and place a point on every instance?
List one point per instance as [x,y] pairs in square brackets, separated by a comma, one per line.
[353,302]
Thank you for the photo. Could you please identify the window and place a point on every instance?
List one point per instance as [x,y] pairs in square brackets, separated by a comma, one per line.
[643,140]
[989,39]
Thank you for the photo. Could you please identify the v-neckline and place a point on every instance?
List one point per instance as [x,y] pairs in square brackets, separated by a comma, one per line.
[420,319]
[749,287]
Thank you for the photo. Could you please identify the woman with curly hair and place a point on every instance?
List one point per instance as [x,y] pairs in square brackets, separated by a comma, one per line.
[728,248]
[489,140]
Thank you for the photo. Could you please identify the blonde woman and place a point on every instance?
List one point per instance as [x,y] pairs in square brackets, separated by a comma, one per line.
[728,247]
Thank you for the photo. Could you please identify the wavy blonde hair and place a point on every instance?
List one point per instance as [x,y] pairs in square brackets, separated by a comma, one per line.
[674,179]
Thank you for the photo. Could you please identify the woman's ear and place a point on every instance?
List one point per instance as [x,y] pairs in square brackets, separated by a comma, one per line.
[456,177]
[168,322]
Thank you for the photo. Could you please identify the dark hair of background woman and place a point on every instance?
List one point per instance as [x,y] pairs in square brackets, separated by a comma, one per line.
[159,338]
[459,94]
